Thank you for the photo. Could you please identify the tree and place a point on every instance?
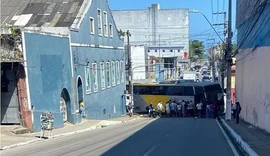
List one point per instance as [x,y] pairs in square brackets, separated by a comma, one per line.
[121,33]
[196,50]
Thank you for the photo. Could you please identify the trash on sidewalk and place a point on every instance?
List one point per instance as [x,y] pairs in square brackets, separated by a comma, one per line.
[46,123]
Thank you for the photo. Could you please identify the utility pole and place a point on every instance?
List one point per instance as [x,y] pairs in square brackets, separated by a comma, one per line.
[130,75]
[223,46]
[229,62]
[159,57]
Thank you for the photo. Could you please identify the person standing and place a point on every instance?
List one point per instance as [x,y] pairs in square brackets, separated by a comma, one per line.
[160,108]
[199,109]
[168,110]
[238,110]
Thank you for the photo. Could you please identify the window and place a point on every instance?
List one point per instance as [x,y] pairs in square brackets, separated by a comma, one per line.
[171,50]
[155,50]
[108,74]
[122,68]
[105,23]
[87,80]
[113,73]
[111,30]
[102,75]
[95,77]
[92,25]
[188,91]
[99,22]
[117,72]
[148,51]
[178,50]
[163,50]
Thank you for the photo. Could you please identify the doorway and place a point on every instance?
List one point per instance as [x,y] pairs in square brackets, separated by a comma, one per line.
[64,103]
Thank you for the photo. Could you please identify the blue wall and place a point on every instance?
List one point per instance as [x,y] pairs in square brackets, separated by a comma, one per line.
[254,32]
[111,97]
[49,71]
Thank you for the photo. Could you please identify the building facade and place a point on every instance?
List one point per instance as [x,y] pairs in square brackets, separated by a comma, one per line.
[73,55]
[165,30]
[252,61]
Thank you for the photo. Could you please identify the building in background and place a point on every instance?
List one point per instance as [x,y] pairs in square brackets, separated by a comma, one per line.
[139,59]
[252,61]
[161,30]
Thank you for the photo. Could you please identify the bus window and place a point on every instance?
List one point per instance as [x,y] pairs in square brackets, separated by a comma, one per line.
[188,91]
[135,90]
[199,90]
[156,90]
[174,90]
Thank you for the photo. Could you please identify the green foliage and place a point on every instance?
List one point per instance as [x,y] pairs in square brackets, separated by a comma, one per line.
[121,33]
[196,50]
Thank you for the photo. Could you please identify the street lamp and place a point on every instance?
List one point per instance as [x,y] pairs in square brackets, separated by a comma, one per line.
[197,11]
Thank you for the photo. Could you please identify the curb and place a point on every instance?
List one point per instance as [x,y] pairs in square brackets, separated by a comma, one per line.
[103,123]
[239,140]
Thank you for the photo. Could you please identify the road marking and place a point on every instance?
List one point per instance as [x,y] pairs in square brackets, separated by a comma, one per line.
[228,140]
[151,150]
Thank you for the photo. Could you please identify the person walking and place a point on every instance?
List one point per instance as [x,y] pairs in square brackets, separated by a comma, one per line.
[238,110]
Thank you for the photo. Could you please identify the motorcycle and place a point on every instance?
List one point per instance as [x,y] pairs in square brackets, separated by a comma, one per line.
[153,113]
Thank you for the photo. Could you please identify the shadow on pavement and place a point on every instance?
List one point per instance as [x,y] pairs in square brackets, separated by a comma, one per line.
[175,136]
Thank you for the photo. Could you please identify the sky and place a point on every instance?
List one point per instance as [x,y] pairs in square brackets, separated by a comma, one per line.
[199,27]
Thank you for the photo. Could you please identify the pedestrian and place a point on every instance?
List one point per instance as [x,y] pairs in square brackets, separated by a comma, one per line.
[234,108]
[81,110]
[168,109]
[160,108]
[212,110]
[199,109]
[238,110]
[207,110]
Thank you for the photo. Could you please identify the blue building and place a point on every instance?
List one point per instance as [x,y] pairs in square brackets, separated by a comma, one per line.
[72,52]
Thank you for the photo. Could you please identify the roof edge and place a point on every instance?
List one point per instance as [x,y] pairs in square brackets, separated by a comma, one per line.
[80,15]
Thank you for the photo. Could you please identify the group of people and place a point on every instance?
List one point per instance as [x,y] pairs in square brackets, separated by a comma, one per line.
[185,109]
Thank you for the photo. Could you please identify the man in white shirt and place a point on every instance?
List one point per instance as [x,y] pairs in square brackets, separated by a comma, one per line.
[160,107]
[199,109]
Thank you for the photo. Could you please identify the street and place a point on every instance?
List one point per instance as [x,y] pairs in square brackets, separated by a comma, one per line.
[143,137]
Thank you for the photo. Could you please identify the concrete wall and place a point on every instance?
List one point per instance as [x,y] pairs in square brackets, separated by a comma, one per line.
[49,71]
[146,25]
[253,87]
[139,62]
[252,66]
[90,48]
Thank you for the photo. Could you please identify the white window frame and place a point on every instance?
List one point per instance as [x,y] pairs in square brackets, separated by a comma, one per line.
[95,77]
[106,32]
[87,77]
[111,30]
[92,26]
[117,64]
[102,79]
[122,67]
[108,75]
[113,72]
[100,24]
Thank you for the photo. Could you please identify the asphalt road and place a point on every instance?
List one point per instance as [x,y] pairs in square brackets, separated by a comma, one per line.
[143,137]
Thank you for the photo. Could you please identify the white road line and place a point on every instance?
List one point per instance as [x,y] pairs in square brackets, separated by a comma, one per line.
[228,140]
[151,150]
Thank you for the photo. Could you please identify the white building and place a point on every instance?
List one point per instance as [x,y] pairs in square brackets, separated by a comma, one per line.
[139,59]
[156,27]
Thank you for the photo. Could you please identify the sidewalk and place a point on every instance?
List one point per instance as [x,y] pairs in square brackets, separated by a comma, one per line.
[10,140]
[254,138]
